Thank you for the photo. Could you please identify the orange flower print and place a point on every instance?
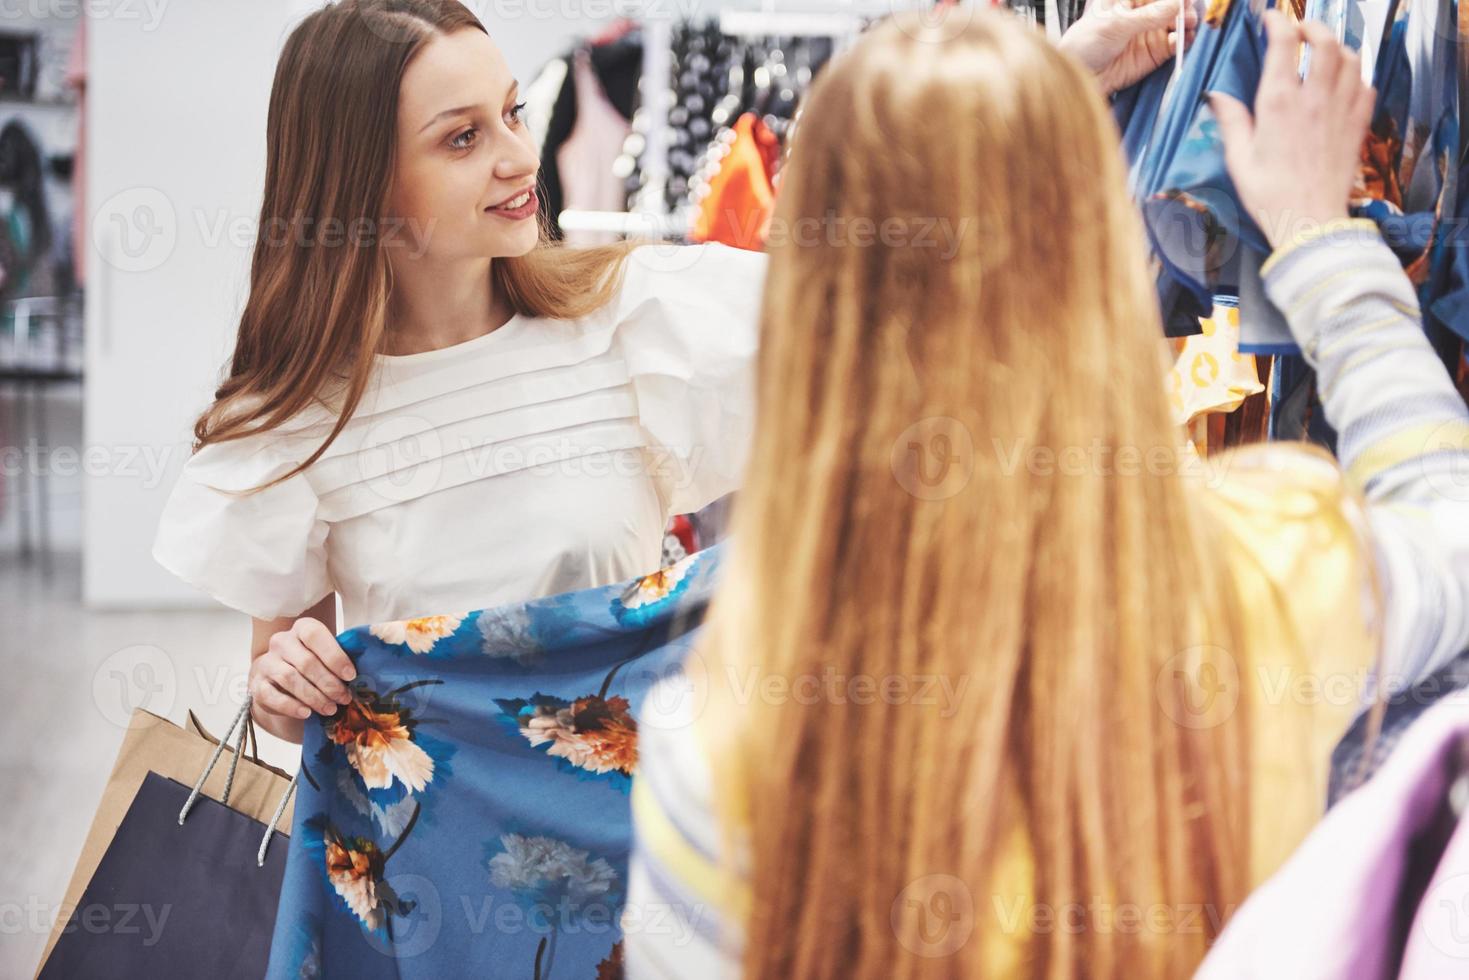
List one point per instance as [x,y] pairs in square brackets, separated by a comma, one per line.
[597,735]
[355,866]
[610,968]
[419,635]
[651,588]
[594,735]
[1377,177]
[377,734]
[643,598]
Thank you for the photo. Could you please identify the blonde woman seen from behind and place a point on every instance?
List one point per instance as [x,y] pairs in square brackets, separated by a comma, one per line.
[995,685]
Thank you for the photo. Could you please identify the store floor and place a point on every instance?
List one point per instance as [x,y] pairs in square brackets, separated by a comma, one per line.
[74,677]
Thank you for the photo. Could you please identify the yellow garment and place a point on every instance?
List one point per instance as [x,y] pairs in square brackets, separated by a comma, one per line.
[1297,543]
[1209,373]
[1290,532]
[1292,535]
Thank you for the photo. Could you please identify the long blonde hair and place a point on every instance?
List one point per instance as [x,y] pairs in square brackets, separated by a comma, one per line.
[315,315]
[926,499]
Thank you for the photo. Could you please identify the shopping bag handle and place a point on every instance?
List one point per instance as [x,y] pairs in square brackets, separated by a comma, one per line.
[248,726]
[254,748]
[198,726]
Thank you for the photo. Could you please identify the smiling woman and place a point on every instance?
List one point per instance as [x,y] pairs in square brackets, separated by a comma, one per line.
[441,409]
[464,186]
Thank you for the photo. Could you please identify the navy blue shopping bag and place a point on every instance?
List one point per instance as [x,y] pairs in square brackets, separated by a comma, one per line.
[188,887]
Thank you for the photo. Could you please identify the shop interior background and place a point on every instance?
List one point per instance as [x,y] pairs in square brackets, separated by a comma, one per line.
[132,139]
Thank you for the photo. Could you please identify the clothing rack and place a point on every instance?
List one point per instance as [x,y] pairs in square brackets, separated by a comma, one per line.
[648,224]
[649,215]
[842,26]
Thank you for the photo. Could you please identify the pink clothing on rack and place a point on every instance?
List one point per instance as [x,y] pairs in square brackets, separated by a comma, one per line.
[586,158]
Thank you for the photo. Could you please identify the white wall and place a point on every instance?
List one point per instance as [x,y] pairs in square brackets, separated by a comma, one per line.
[177,99]
[177,103]
[176,118]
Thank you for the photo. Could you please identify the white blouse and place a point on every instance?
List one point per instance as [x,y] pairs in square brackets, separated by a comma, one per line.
[544,456]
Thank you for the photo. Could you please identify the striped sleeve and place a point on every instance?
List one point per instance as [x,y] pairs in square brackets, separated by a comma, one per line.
[1403,432]
[675,922]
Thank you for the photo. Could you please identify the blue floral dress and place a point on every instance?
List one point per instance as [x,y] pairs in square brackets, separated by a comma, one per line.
[467,814]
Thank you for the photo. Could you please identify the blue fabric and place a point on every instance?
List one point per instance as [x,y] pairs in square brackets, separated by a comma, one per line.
[1445,295]
[1393,78]
[1204,241]
[1295,407]
[1135,109]
[472,800]
[1431,236]
[1451,306]
[1191,207]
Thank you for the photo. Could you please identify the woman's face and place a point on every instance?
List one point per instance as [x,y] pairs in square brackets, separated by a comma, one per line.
[462,149]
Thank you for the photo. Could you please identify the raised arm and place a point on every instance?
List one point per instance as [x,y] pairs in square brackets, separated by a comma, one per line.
[1403,427]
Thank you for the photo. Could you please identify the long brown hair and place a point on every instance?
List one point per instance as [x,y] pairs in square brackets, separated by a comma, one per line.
[315,315]
[1049,596]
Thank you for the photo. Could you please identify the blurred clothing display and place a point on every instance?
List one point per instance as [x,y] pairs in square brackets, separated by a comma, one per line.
[586,158]
[741,195]
[595,88]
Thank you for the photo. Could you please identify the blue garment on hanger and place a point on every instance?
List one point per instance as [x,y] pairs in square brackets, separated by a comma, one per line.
[1190,208]
[1295,405]
[1136,110]
[1420,205]
[1190,205]
[468,813]
[1205,242]
[1445,294]
[1442,174]
[1449,278]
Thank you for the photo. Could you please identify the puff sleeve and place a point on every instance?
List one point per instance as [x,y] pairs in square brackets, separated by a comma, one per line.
[688,322]
[262,553]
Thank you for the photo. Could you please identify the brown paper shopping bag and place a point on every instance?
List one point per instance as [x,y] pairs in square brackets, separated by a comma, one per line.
[155,744]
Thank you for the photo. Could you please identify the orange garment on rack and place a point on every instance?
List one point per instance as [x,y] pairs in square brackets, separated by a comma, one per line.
[742,194]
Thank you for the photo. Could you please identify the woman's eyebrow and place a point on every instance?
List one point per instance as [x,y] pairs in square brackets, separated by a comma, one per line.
[446,112]
[510,94]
